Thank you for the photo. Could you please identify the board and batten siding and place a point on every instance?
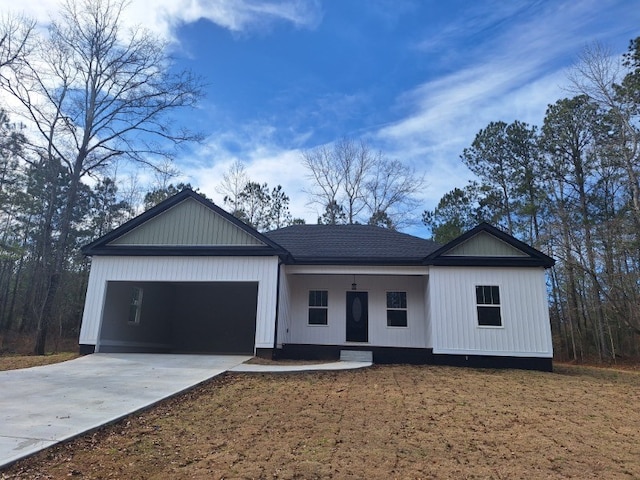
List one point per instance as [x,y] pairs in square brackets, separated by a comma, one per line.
[182,269]
[187,223]
[284,310]
[526,330]
[337,286]
[427,314]
[484,245]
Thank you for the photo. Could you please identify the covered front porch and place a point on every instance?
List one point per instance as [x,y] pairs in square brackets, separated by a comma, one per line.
[327,309]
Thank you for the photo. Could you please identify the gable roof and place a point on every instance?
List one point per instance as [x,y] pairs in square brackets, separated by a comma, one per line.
[484,244]
[146,234]
[513,252]
[351,244]
[188,224]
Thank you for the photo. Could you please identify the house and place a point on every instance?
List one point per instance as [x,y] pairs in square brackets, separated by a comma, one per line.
[186,276]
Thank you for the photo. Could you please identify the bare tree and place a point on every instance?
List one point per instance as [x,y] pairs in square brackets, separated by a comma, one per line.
[95,93]
[598,76]
[391,192]
[233,184]
[164,172]
[326,174]
[356,162]
[352,180]
[15,33]
[130,191]
[570,137]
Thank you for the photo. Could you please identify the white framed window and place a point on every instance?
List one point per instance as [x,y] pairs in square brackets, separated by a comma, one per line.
[135,307]
[488,306]
[397,309]
[318,307]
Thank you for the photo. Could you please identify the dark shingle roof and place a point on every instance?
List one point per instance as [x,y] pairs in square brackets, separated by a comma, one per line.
[349,244]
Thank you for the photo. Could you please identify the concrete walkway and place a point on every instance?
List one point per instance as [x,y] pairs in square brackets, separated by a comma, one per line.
[42,406]
[255,368]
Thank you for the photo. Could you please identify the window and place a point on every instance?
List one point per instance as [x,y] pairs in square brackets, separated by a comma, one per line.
[396,309]
[488,304]
[318,301]
[135,307]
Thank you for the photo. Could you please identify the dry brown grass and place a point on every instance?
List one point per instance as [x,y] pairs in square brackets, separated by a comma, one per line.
[16,351]
[15,343]
[13,362]
[383,422]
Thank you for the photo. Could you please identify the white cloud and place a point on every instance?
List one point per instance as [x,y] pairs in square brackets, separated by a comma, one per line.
[514,74]
[162,16]
[472,20]
[39,10]
[513,70]
[265,161]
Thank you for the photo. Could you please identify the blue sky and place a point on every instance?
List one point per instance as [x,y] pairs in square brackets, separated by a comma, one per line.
[416,79]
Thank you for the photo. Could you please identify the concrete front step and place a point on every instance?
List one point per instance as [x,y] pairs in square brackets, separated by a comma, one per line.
[356,356]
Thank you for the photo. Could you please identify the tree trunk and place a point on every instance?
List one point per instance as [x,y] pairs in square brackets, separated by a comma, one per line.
[593,287]
[58,258]
[45,316]
[5,283]
[14,294]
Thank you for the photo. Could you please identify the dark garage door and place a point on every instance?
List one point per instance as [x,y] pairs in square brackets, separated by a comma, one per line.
[189,317]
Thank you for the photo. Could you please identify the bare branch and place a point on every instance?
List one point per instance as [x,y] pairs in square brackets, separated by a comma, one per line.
[349,177]
[15,36]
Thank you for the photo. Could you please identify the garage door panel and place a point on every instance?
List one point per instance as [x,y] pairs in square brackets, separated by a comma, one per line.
[217,318]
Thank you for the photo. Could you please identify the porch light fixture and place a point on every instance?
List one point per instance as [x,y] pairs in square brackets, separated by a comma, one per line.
[354,286]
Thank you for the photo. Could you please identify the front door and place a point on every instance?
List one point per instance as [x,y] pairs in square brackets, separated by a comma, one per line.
[357,317]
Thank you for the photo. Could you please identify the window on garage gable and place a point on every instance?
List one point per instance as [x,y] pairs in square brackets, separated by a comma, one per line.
[135,307]
[488,305]
[318,307]
[396,309]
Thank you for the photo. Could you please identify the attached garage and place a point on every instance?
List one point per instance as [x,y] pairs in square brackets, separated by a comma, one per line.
[183,277]
[180,317]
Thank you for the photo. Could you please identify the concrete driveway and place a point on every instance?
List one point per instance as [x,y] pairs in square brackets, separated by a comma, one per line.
[42,406]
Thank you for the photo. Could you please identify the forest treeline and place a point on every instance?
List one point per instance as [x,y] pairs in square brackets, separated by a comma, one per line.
[86,108]
[86,104]
[570,187]
[85,95]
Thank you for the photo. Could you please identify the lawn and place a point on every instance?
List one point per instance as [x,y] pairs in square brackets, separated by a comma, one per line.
[12,362]
[382,422]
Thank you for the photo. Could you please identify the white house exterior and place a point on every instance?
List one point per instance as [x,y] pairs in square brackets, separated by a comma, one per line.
[453,319]
[188,277]
[160,275]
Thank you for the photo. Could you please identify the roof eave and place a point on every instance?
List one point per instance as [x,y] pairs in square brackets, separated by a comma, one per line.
[464,261]
[183,251]
[536,257]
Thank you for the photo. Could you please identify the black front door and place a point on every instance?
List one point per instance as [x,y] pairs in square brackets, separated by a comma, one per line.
[357,317]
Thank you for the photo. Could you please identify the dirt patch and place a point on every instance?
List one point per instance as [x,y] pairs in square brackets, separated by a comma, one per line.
[383,422]
[13,362]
